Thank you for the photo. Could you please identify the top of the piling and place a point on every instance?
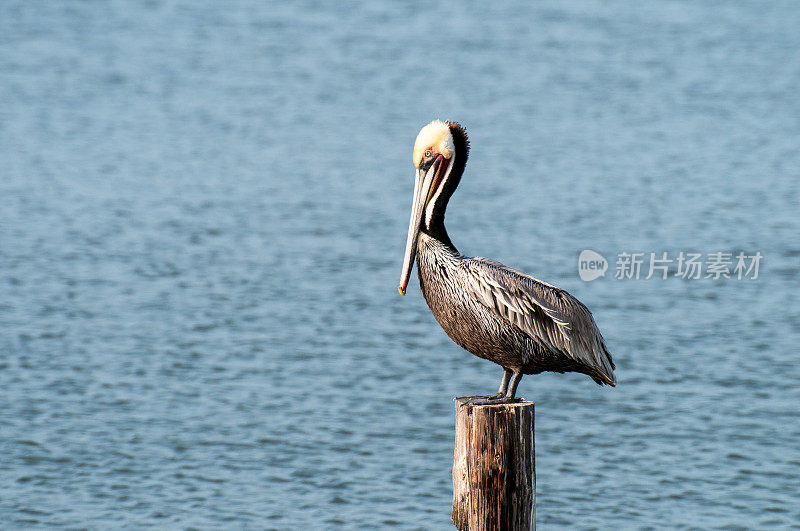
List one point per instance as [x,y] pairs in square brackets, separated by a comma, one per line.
[485,401]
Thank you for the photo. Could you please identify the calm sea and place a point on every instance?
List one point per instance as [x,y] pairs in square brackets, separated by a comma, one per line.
[203,208]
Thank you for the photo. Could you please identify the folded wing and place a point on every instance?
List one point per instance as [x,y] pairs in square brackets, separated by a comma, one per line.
[545,313]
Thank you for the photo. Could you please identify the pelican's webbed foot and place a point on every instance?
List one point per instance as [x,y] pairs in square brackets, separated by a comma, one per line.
[505,395]
[490,400]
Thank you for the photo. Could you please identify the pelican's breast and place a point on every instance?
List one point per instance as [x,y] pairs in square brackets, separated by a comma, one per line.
[468,323]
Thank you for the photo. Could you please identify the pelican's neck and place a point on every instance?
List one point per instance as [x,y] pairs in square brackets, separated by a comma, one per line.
[434,220]
[438,232]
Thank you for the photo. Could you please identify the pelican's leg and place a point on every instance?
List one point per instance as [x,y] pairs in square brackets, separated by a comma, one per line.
[502,393]
[512,387]
[504,383]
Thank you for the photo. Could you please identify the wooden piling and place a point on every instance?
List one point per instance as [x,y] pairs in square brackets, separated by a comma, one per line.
[494,477]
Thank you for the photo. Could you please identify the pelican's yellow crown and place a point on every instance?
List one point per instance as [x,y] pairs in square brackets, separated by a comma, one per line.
[435,136]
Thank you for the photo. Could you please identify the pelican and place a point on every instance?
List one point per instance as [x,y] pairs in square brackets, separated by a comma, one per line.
[497,313]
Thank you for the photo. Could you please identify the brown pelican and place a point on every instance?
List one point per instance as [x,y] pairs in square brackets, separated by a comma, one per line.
[497,313]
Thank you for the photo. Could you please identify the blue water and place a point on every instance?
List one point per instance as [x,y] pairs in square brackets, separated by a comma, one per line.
[203,208]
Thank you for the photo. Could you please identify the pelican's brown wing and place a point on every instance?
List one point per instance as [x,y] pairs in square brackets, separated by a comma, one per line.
[547,314]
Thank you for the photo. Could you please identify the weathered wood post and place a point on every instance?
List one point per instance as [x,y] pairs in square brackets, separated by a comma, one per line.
[494,477]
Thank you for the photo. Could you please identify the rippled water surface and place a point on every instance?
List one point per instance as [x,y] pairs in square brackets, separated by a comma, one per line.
[203,208]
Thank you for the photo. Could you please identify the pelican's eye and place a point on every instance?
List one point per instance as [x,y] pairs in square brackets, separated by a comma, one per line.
[428,153]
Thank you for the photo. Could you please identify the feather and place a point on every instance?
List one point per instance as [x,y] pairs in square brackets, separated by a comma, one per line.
[546,314]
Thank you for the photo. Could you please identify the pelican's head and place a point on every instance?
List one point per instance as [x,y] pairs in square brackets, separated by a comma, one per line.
[440,146]
[434,138]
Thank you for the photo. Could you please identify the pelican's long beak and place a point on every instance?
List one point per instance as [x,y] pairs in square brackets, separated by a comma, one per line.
[423,185]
